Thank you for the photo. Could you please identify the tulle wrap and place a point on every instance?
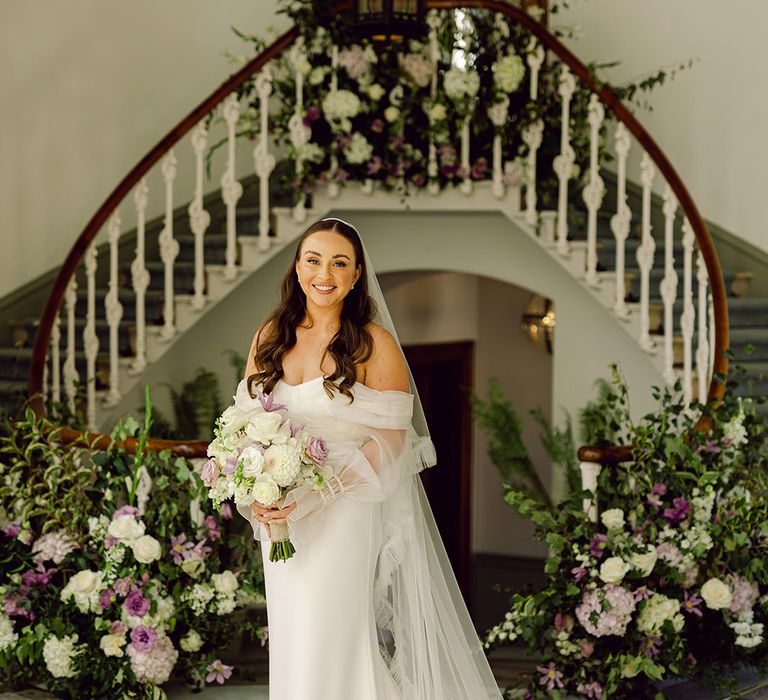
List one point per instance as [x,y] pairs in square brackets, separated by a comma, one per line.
[426,636]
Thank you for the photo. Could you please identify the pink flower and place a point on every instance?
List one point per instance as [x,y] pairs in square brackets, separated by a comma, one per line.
[180,548]
[143,638]
[118,628]
[691,604]
[125,510]
[12,528]
[218,671]
[317,450]
[550,677]
[210,472]
[563,622]
[680,510]
[592,690]
[657,492]
[586,648]
[377,126]
[200,550]
[579,572]
[650,645]
[267,402]
[642,593]
[123,585]
[213,528]
[226,511]
[136,604]
[597,545]
[105,598]
[606,611]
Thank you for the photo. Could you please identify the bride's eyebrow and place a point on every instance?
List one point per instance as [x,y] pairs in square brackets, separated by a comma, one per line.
[320,255]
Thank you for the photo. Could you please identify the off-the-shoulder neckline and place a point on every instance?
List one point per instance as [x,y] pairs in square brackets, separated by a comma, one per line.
[356,384]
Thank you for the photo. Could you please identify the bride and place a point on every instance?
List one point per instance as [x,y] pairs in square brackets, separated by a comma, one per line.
[368,607]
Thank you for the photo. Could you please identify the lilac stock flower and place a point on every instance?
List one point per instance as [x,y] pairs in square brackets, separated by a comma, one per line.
[691,604]
[597,545]
[123,585]
[218,671]
[267,402]
[143,638]
[106,597]
[180,548]
[136,604]
[231,466]
[679,511]
[317,450]
[110,542]
[38,577]
[657,492]
[12,528]
[210,472]
[579,572]
[226,511]
[125,510]
[550,676]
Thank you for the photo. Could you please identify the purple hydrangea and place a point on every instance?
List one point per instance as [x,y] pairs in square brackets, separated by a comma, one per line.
[143,638]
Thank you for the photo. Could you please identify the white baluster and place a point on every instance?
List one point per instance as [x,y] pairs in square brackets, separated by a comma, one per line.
[563,164]
[140,278]
[114,313]
[688,317]
[497,113]
[645,252]
[595,191]
[333,185]
[535,59]
[169,248]
[433,20]
[668,286]
[621,219]
[589,474]
[263,160]
[702,352]
[199,218]
[56,359]
[90,339]
[70,370]
[300,134]
[466,184]
[231,189]
[532,137]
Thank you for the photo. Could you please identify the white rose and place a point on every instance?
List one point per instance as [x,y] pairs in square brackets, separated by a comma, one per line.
[252,460]
[191,642]
[644,563]
[126,528]
[613,570]
[193,566]
[613,519]
[225,582]
[233,419]
[112,644]
[656,611]
[265,490]
[146,549]
[376,92]
[264,426]
[391,113]
[716,594]
[84,582]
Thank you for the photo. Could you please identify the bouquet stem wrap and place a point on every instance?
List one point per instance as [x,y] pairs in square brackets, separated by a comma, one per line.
[281,548]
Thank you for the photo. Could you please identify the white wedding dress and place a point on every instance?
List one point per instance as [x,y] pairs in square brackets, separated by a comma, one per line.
[342,611]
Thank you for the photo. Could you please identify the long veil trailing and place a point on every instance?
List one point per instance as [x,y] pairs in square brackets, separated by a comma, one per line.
[425,634]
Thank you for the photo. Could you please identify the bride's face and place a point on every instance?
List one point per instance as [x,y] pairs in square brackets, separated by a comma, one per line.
[326,267]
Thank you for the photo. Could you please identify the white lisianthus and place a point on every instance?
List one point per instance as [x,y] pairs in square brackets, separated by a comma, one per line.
[613,518]
[243,493]
[8,636]
[126,528]
[221,448]
[748,634]
[252,460]
[84,587]
[265,490]
[359,150]
[645,562]
[194,566]
[656,611]
[191,641]
[233,419]
[225,582]
[341,104]
[263,427]
[508,72]
[613,570]
[58,655]
[283,463]
[716,594]
[391,114]
[112,644]
[376,92]
[222,490]
[146,549]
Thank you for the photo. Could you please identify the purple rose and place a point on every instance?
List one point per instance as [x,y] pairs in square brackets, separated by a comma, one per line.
[136,604]
[123,585]
[125,510]
[143,638]
[210,472]
[317,450]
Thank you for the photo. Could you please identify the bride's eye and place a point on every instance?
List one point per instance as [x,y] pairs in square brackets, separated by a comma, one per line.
[341,264]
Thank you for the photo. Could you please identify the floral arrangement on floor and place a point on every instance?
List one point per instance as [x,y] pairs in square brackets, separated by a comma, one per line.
[116,574]
[378,122]
[672,579]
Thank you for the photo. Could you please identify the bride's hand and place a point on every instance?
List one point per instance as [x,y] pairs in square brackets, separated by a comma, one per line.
[271,514]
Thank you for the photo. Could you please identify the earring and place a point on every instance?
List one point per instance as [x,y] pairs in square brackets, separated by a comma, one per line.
[352,287]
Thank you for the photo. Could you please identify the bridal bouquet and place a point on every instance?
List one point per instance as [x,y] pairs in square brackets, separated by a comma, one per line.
[259,455]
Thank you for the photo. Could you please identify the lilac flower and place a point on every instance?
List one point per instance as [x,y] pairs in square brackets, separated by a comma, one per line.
[597,545]
[226,511]
[201,550]
[691,604]
[213,528]
[374,165]
[642,593]
[479,168]
[267,402]
[218,671]
[592,690]
[295,428]
[680,510]
[606,611]
[377,126]
[136,604]
[579,572]
[650,645]
[12,528]
[313,113]
[210,472]
[586,648]
[38,577]
[654,498]
[125,510]
[317,450]
[123,585]
[180,548]
[117,628]
[550,677]
[143,638]
[105,598]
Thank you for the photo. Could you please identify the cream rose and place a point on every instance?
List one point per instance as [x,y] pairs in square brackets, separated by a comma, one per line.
[193,566]
[613,519]
[126,528]
[146,549]
[233,419]
[716,594]
[225,582]
[191,641]
[112,644]
[84,582]
[265,490]
[264,426]
[613,570]
[644,563]
[252,460]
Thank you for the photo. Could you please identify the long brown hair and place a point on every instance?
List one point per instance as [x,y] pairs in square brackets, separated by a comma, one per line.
[351,345]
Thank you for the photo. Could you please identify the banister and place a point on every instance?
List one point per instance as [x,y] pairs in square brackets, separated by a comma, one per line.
[610,454]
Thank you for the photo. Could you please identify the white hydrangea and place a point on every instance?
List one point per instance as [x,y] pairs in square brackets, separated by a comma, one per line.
[498,111]
[341,104]
[58,655]
[8,636]
[225,604]
[283,462]
[84,587]
[199,596]
[317,75]
[53,546]
[748,634]
[459,84]
[508,72]
[358,150]
[656,611]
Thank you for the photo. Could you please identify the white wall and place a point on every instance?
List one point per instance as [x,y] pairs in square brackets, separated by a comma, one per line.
[87,88]
[711,119]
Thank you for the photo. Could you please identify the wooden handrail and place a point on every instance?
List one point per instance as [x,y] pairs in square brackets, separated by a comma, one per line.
[607,97]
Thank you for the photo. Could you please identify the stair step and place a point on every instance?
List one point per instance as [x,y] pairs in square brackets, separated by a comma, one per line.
[736,283]
[183,276]
[741,338]
[25,331]
[153,298]
[15,364]
[751,312]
